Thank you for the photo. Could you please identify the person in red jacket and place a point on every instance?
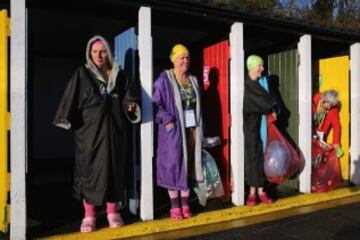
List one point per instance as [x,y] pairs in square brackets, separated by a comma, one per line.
[326,116]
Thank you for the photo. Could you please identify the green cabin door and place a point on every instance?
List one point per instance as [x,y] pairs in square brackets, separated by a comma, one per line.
[284,83]
[4,122]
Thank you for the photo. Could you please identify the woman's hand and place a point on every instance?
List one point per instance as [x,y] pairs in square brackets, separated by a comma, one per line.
[339,150]
[274,115]
[131,107]
[169,126]
[321,106]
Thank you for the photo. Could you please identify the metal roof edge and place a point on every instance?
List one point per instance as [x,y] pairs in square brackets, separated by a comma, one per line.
[250,18]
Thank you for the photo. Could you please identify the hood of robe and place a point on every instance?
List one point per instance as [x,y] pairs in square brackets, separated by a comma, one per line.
[95,71]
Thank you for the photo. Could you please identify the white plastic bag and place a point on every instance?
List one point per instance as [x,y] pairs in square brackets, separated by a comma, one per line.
[212,186]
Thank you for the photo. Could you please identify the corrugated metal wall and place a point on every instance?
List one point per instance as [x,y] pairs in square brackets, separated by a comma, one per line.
[283,72]
[216,104]
[284,82]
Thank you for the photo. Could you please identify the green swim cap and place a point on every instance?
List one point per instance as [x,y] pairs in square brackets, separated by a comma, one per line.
[253,61]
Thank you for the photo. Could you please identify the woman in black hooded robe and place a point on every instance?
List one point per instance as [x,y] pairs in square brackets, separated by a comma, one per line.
[99,103]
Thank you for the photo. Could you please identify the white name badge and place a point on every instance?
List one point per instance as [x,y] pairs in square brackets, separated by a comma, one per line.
[190,120]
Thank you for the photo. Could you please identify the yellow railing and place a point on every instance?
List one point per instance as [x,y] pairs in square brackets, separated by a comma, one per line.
[4,122]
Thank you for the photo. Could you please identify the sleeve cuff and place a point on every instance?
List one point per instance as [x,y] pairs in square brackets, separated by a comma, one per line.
[63,124]
[134,117]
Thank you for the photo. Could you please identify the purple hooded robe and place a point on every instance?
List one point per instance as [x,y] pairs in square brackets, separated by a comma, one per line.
[171,156]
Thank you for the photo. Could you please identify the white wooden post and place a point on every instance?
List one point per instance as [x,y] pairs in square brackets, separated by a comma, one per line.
[355,113]
[147,146]
[18,149]
[305,116]
[236,103]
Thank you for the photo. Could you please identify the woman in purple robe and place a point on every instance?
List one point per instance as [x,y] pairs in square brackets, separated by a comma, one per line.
[178,116]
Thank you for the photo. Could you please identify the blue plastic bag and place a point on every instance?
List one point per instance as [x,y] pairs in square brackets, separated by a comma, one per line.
[281,160]
[277,160]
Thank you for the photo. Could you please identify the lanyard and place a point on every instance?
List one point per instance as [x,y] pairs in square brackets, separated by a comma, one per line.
[186,91]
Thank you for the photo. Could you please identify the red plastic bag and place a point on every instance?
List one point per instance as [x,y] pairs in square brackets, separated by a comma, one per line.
[326,173]
[281,160]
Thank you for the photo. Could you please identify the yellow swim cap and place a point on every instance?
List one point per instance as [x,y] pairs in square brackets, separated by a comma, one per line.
[177,50]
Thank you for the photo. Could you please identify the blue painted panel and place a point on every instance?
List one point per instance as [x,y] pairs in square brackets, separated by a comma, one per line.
[126,55]
[126,51]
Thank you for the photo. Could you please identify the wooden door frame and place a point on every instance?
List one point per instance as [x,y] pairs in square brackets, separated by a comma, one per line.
[19,118]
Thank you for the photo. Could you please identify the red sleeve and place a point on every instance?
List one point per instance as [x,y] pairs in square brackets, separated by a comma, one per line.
[316,99]
[332,119]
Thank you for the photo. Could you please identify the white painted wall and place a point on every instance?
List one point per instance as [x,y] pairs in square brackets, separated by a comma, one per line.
[355,113]
[305,116]
[236,103]
[18,89]
[147,139]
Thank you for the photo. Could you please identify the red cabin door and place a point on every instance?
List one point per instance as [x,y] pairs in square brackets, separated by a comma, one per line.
[216,105]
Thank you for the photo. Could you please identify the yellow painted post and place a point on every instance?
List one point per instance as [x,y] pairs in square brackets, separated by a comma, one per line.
[334,74]
[4,122]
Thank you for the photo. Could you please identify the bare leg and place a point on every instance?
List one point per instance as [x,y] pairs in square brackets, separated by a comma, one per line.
[253,190]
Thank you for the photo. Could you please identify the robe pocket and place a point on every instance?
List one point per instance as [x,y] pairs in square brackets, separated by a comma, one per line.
[90,115]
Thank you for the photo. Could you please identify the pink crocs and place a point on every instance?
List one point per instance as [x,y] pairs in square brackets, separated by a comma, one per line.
[265,198]
[251,200]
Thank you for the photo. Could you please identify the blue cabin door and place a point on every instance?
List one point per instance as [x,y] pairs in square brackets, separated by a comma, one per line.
[127,56]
